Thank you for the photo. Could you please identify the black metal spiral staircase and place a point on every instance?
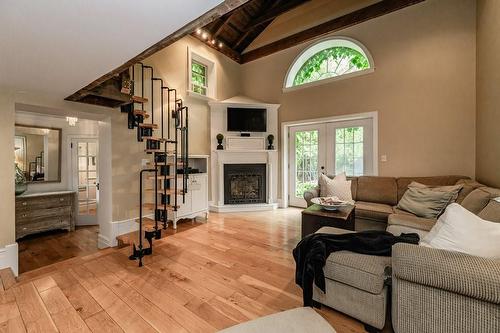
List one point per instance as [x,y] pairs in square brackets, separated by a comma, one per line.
[169,148]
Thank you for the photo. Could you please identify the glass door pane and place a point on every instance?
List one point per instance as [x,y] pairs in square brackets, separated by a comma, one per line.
[349,152]
[87,178]
[306,161]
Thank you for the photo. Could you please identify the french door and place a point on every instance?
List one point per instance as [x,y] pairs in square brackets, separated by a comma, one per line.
[84,153]
[329,148]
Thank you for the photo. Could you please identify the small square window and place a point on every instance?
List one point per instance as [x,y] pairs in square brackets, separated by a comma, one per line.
[199,79]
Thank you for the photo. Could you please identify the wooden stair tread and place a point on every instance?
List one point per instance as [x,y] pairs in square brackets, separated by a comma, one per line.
[7,279]
[165,177]
[149,205]
[144,125]
[163,164]
[160,191]
[139,99]
[153,138]
[141,113]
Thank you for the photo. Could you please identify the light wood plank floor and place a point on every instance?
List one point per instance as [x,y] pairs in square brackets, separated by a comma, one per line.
[202,278]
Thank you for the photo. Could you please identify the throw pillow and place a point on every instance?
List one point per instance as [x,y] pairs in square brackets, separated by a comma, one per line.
[460,230]
[337,187]
[428,202]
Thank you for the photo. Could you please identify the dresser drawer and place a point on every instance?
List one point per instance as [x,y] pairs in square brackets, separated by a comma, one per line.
[36,203]
[44,224]
[27,216]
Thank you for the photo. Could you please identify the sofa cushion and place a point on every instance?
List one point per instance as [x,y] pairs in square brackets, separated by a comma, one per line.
[427,202]
[477,200]
[361,271]
[373,211]
[377,189]
[492,211]
[411,221]
[403,182]
[469,185]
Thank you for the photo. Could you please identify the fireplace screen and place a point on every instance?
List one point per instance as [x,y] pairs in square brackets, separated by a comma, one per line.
[244,183]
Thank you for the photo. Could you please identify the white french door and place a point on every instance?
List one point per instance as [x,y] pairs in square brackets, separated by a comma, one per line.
[329,148]
[85,180]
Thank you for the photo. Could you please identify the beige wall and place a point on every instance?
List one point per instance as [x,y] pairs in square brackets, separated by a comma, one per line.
[170,64]
[423,87]
[7,226]
[488,93]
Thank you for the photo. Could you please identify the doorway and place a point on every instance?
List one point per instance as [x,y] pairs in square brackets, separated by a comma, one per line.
[85,179]
[328,147]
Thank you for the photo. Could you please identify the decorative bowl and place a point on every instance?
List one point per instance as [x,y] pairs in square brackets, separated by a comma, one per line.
[330,203]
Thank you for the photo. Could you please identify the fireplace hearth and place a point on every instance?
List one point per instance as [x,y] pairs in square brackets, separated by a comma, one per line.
[244,184]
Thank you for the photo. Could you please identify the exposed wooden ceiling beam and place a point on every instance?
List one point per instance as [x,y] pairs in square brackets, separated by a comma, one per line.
[225,49]
[221,25]
[376,10]
[208,17]
[274,13]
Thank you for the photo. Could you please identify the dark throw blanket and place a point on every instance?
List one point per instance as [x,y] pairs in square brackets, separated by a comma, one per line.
[311,253]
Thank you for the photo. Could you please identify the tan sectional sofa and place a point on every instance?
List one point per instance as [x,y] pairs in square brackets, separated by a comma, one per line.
[432,290]
[376,198]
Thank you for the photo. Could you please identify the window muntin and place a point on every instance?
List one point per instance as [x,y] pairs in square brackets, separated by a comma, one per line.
[199,80]
[306,161]
[329,59]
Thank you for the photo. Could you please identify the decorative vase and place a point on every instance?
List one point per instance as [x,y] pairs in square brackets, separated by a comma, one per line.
[270,140]
[21,185]
[220,137]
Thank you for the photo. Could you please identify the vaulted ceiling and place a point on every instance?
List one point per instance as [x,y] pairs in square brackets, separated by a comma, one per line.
[233,27]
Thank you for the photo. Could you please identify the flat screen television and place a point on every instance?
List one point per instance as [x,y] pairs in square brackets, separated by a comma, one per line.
[246,120]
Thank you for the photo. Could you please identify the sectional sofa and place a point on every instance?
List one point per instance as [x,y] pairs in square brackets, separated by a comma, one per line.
[432,290]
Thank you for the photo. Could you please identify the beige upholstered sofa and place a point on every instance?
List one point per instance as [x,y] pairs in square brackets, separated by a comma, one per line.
[432,290]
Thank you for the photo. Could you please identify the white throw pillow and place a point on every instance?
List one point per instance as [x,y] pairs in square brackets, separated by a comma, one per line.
[460,230]
[337,187]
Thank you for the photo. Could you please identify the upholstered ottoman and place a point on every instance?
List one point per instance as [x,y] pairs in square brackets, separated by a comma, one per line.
[292,321]
[355,284]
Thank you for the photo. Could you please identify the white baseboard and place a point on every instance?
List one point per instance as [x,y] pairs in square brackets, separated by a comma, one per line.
[9,258]
[104,242]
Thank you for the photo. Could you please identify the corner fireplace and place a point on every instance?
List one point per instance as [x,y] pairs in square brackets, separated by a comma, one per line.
[244,184]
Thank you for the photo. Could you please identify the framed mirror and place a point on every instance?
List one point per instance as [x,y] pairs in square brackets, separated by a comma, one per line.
[38,153]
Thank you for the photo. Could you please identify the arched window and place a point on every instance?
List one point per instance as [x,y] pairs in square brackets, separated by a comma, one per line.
[329,59]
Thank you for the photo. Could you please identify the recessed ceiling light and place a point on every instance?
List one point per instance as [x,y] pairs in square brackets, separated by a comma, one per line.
[198,31]
[204,35]
[221,45]
[212,41]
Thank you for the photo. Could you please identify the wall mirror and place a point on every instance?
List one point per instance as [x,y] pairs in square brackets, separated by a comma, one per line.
[38,153]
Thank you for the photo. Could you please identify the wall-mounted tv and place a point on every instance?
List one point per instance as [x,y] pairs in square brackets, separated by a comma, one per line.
[246,120]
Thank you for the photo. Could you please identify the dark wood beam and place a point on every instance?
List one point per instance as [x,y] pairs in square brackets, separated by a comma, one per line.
[274,13]
[359,16]
[221,25]
[208,17]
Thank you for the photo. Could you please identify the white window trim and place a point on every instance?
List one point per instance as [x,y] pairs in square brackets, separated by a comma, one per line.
[211,76]
[320,45]
[285,130]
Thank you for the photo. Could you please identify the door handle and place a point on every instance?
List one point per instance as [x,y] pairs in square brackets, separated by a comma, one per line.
[322,169]
[97,186]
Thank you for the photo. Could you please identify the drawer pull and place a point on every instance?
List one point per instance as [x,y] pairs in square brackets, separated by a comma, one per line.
[24,215]
[61,199]
[24,203]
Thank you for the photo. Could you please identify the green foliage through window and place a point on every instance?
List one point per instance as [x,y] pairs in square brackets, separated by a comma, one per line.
[349,154]
[306,161]
[199,77]
[331,62]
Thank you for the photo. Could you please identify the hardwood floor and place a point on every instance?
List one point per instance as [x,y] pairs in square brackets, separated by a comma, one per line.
[47,248]
[202,278]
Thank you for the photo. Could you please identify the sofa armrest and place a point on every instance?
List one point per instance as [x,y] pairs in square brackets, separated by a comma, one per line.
[309,194]
[456,272]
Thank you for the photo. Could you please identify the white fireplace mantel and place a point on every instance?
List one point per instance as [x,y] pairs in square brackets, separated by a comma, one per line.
[242,150]
[221,157]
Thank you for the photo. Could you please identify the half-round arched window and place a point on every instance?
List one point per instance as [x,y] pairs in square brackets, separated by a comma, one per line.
[329,59]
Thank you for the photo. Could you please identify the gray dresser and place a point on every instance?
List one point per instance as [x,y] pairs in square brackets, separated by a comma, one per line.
[45,211]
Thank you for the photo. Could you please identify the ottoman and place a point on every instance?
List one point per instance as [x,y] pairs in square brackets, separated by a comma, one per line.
[355,284]
[292,321]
